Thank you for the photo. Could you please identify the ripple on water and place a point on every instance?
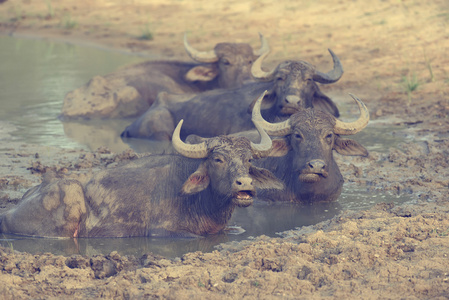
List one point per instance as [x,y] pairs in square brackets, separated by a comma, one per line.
[260,218]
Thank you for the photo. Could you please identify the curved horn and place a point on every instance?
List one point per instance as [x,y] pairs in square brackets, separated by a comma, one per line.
[256,68]
[274,129]
[262,149]
[350,128]
[264,48]
[200,56]
[331,76]
[187,150]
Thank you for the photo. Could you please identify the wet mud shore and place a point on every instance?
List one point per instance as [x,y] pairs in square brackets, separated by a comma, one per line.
[395,59]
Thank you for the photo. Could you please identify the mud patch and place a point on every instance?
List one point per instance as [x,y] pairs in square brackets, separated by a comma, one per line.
[384,252]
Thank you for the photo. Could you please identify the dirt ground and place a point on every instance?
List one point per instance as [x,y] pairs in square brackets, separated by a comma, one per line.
[395,56]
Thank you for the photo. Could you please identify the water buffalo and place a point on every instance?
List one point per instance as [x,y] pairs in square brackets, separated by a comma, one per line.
[191,194]
[296,86]
[130,91]
[292,84]
[303,158]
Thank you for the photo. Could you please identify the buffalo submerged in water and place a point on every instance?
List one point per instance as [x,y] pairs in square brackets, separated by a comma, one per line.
[303,157]
[129,92]
[291,85]
[191,194]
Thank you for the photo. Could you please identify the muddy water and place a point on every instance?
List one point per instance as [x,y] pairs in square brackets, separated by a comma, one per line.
[35,76]
[258,219]
[261,218]
[377,136]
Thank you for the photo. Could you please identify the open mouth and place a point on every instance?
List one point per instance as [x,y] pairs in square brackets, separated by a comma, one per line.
[243,198]
[245,195]
[310,178]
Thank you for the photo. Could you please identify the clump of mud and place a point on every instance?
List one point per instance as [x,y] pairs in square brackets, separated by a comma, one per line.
[381,253]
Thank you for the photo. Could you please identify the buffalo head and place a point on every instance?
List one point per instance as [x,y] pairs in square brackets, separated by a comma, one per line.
[229,63]
[307,165]
[227,167]
[294,84]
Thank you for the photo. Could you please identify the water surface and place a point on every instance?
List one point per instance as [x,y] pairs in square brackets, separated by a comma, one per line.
[35,75]
[258,219]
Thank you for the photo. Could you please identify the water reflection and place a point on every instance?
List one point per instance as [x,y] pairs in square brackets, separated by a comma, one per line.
[34,78]
[271,218]
[260,218]
[125,246]
[106,133]
[35,75]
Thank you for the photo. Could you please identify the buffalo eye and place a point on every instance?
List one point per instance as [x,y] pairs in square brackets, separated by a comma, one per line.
[280,78]
[297,136]
[225,61]
[218,160]
[329,138]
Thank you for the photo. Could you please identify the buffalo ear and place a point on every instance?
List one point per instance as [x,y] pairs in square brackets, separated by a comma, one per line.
[280,147]
[196,182]
[324,103]
[349,147]
[201,73]
[194,139]
[264,179]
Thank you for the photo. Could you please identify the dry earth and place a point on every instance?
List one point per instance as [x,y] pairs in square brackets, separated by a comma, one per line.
[387,252]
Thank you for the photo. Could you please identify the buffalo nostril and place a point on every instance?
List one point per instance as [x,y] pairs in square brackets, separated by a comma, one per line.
[242,181]
[293,99]
[317,165]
